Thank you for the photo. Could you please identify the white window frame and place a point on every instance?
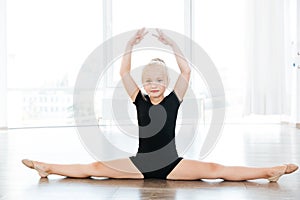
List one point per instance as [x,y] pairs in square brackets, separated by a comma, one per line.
[3,66]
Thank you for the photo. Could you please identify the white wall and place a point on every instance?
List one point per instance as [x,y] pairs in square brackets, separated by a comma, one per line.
[3,82]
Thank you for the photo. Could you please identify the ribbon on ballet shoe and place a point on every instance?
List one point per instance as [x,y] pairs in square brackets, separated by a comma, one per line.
[41,171]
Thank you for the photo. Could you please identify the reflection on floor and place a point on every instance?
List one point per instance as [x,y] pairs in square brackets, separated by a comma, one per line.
[254,145]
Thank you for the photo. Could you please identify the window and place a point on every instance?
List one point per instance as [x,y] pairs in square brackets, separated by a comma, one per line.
[220,29]
[134,14]
[47,43]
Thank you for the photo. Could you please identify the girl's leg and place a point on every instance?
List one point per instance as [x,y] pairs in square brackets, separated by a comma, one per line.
[193,170]
[121,168]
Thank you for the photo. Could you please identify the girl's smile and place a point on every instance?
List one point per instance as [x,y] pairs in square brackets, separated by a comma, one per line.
[154,91]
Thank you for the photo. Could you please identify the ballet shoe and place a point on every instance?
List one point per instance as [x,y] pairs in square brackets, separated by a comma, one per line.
[30,164]
[289,168]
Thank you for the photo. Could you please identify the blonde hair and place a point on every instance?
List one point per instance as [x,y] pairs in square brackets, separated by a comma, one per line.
[156,62]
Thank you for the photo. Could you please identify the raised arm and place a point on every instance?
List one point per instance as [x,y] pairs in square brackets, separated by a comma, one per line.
[182,82]
[128,82]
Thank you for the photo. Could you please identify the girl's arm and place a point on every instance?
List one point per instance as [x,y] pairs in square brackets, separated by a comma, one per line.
[182,82]
[128,82]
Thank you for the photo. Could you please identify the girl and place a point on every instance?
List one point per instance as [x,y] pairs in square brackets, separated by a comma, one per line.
[157,156]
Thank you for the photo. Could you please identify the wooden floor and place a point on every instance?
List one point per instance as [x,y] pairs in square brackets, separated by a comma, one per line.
[254,145]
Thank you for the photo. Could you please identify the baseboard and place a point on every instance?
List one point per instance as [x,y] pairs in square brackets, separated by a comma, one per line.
[297,125]
[285,122]
[130,122]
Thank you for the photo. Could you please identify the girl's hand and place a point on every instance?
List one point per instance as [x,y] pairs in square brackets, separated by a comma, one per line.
[137,37]
[163,38]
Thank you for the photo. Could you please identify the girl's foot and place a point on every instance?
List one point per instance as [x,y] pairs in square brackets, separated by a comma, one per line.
[277,172]
[37,166]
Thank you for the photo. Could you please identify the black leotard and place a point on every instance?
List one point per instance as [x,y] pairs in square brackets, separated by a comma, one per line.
[157,155]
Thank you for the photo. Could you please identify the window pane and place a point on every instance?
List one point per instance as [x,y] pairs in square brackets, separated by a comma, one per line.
[133,14]
[47,43]
[220,28]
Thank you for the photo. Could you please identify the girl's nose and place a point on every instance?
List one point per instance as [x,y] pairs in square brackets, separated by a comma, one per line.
[153,85]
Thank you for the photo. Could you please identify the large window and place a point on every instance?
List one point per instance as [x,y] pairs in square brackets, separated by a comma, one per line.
[48,41]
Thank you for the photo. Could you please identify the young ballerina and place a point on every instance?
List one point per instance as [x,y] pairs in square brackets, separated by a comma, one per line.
[157,156]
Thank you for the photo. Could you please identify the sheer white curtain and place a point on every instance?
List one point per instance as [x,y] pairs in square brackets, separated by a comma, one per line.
[265,84]
[273,85]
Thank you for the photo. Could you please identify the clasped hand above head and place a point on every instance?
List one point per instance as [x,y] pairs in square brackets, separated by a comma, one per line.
[140,34]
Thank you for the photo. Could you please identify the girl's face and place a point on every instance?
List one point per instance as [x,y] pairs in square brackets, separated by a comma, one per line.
[155,80]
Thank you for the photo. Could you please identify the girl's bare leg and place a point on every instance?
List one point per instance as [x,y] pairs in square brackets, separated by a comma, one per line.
[193,170]
[121,168]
